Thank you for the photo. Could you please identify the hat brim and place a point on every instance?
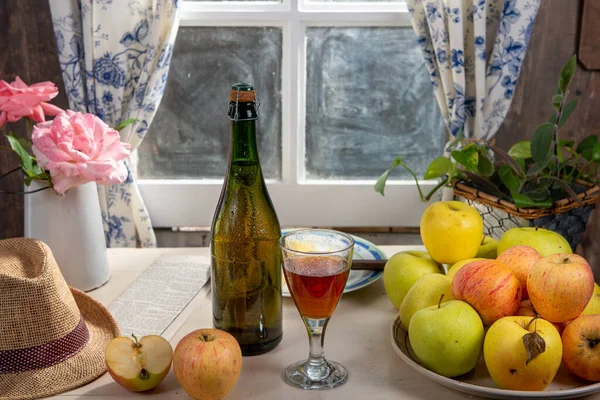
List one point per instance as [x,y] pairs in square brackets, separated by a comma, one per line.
[82,368]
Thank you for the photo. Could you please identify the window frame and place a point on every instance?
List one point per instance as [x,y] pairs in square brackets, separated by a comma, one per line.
[298,201]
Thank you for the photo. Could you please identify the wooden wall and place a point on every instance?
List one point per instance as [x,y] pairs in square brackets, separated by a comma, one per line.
[27,49]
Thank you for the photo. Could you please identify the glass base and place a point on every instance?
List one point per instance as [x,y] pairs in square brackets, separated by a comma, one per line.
[327,376]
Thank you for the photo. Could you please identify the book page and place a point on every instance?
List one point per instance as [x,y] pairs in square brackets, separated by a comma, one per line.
[162,297]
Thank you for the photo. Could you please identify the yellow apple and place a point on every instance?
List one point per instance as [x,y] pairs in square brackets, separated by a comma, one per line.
[560,286]
[488,248]
[447,338]
[581,347]
[458,265]
[403,269]
[506,356]
[593,306]
[451,231]
[138,365]
[207,363]
[544,241]
[519,260]
[426,292]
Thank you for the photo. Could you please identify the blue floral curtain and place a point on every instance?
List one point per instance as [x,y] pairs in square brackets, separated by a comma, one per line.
[473,51]
[114,56]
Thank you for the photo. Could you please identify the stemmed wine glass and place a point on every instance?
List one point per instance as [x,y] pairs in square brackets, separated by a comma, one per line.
[316,263]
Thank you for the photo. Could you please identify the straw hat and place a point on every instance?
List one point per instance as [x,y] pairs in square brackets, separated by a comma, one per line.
[52,338]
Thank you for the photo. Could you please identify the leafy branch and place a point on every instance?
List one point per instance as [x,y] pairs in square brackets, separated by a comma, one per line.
[533,173]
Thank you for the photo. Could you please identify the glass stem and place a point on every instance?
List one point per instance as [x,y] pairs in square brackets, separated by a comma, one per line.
[316,367]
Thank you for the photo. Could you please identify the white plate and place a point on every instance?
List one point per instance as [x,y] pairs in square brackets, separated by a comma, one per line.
[478,382]
[363,250]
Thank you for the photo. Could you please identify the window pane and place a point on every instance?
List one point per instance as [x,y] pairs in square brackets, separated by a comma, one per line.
[189,137]
[368,99]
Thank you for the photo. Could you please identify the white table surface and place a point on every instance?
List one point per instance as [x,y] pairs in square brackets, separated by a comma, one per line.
[358,336]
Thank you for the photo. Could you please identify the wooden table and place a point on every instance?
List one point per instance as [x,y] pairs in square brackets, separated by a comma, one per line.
[358,336]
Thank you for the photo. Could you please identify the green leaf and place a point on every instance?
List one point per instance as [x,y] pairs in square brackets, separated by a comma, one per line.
[380,184]
[539,194]
[509,178]
[596,153]
[521,149]
[534,345]
[566,113]
[27,160]
[566,74]
[566,143]
[586,147]
[521,163]
[523,201]
[557,100]
[541,144]
[468,157]
[438,167]
[485,166]
[125,123]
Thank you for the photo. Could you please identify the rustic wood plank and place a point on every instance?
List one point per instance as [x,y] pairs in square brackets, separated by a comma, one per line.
[27,49]
[589,38]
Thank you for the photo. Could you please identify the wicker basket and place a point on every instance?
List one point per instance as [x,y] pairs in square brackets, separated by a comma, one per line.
[565,216]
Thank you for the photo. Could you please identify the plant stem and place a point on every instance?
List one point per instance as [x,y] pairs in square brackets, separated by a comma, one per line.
[435,189]
[555,131]
[415,178]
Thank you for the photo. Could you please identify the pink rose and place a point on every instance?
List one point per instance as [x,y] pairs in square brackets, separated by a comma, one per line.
[17,100]
[78,148]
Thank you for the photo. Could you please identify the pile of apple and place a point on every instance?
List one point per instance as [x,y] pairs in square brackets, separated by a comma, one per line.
[206,362]
[526,302]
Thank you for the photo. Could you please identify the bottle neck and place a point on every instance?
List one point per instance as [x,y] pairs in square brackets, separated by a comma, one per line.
[243,142]
[243,133]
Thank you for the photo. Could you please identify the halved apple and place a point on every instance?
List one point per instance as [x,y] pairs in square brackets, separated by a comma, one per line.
[139,365]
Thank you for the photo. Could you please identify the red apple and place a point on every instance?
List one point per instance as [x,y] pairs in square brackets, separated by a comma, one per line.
[581,347]
[207,363]
[490,287]
[519,260]
[526,310]
[560,286]
[138,365]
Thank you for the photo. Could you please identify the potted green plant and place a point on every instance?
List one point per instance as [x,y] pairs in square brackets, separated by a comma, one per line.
[547,181]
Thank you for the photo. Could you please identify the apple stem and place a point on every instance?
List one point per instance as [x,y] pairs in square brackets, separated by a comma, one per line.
[440,302]
[137,344]
[144,374]
[205,337]
[532,320]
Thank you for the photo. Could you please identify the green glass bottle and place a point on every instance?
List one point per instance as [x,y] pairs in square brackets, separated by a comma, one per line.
[245,255]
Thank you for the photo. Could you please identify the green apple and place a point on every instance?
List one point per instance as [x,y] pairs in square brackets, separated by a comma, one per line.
[488,248]
[544,241]
[447,338]
[426,292]
[456,266]
[593,306]
[451,231]
[507,359]
[403,269]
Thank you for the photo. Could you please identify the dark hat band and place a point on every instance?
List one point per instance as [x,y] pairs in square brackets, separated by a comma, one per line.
[47,354]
